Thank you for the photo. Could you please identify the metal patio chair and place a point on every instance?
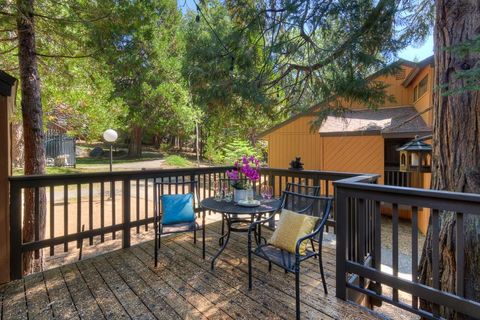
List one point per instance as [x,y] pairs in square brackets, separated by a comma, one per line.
[176,187]
[312,205]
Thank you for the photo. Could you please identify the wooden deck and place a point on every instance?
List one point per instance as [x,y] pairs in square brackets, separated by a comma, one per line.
[125,284]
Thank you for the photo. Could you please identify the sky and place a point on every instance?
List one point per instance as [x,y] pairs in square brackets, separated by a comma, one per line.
[413,53]
[417,53]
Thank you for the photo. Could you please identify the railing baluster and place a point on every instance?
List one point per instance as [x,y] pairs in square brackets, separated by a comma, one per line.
[112,195]
[146,201]
[435,256]
[341,271]
[126,213]
[37,220]
[414,252]
[361,235]
[395,247]
[90,210]
[137,201]
[459,255]
[377,236]
[52,218]
[65,216]
[79,212]
[102,210]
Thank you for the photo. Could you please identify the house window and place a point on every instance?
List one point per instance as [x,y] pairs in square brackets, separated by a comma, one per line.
[420,89]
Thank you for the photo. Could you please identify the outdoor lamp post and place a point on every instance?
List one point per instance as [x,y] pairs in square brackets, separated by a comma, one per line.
[111,136]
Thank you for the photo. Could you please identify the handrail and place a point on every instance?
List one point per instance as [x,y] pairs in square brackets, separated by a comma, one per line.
[123,200]
[358,212]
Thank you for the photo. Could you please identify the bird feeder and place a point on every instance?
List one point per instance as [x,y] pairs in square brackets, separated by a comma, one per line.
[415,156]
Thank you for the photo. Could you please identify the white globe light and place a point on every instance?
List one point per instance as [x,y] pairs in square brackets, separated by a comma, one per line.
[110,135]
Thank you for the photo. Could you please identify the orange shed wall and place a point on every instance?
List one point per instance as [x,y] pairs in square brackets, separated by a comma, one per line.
[292,140]
[363,154]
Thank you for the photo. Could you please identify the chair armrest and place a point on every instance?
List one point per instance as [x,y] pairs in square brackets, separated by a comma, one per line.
[256,223]
[318,229]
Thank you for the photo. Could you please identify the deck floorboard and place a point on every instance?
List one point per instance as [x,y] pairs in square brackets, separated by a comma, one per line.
[124,284]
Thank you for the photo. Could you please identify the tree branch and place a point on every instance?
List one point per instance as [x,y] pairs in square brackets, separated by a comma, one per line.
[65,56]
[9,50]
[370,21]
[70,20]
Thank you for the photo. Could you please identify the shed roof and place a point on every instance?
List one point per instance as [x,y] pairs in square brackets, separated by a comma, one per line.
[398,121]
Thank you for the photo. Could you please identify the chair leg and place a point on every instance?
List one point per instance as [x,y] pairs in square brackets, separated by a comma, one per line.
[195,234]
[156,249]
[269,266]
[220,241]
[297,292]
[313,246]
[321,271]
[249,254]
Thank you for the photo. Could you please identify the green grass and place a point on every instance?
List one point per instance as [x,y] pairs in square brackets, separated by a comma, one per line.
[177,161]
[93,161]
[57,170]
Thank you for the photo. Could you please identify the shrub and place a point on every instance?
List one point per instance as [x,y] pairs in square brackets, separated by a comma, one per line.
[177,161]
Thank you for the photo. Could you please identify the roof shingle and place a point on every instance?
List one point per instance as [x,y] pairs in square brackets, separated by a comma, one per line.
[382,121]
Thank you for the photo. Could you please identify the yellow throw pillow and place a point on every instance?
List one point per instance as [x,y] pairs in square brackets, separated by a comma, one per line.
[291,227]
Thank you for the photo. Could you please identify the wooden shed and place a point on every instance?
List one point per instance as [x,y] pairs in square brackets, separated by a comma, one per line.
[362,140]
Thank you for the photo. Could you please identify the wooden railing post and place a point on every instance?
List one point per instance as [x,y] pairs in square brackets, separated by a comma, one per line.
[126,213]
[16,270]
[341,247]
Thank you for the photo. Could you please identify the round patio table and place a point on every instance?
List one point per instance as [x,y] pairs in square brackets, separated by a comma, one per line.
[236,215]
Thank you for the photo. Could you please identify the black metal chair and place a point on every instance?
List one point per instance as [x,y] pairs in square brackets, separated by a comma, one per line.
[303,189]
[313,205]
[176,187]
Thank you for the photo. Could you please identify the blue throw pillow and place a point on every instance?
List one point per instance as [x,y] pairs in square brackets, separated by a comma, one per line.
[177,208]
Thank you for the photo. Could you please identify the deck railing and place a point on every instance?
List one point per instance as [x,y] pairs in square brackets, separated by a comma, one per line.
[394,177]
[358,216]
[98,207]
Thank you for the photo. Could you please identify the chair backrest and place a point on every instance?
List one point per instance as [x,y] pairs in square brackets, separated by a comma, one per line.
[165,186]
[303,189]
[312,205]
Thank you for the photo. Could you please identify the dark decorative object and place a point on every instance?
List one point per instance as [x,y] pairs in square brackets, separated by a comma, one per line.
[296,164]
[415,156]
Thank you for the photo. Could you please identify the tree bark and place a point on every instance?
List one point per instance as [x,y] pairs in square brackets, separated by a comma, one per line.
[32,126]
[456,147]
[135,145]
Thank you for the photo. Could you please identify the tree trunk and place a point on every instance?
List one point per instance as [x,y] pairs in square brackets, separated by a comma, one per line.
[18,150]
[456,147]
[32,126]
[135,145]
